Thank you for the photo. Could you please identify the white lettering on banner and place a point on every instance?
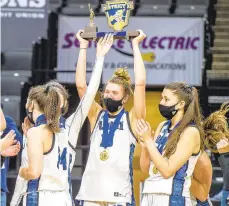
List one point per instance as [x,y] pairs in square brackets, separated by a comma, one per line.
[37,4]
[34,9]
[6,14]
[23,3]
[173,52]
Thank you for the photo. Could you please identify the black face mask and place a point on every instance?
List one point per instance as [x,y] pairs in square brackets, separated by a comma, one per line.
[30,116]
[112,105]
[168,111]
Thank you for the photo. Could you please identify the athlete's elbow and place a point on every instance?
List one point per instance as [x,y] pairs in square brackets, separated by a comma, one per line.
[81,86]
[34,174]
[81,89]
[203,197]
[166,174]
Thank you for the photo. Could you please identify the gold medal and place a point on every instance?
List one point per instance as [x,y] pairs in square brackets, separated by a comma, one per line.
[155,170]
[104,155]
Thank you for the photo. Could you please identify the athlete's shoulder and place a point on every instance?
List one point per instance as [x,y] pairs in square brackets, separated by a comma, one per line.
[191,131]
[39,131]
[191,136]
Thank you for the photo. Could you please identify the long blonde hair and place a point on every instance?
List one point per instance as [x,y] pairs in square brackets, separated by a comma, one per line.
[216,127]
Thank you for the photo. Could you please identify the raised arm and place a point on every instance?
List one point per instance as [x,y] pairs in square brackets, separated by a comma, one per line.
[20,182]
[81,83]
[86,105]
[139,108]
[202,178]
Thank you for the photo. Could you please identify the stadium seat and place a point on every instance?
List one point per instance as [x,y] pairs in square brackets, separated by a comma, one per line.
[12,107]
[191,7]
[79,7]
[17,60]
[12,81]
[149,8]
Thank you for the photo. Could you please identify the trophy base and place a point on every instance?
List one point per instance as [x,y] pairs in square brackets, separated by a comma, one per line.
[117,35]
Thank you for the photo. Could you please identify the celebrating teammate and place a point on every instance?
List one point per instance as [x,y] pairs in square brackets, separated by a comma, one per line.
[108,176]
[170,156]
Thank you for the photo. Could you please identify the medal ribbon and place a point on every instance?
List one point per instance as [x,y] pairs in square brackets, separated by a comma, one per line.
[108,133]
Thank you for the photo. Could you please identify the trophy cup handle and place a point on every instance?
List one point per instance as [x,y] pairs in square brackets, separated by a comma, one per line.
[132,34]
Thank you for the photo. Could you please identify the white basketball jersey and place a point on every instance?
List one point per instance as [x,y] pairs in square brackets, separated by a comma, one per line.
[177,185]
[110,180]
[54,176]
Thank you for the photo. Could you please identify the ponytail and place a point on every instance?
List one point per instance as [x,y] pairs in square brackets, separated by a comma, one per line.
[52,109]
[192,114]
[48,101]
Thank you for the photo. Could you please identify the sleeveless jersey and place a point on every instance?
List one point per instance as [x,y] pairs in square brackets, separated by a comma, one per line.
[73,126]
[54,176]
[177,185]
[110,180]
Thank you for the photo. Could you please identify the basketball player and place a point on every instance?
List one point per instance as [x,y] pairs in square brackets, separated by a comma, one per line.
[217,140]
[47,143]
[75,121]
[170,156]
[108,176]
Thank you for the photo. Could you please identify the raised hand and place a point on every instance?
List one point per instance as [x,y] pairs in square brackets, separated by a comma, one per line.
[141,140]
[83,42]
[143,129]
[104,44]
[26,125]
[8,140]
[139,38]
